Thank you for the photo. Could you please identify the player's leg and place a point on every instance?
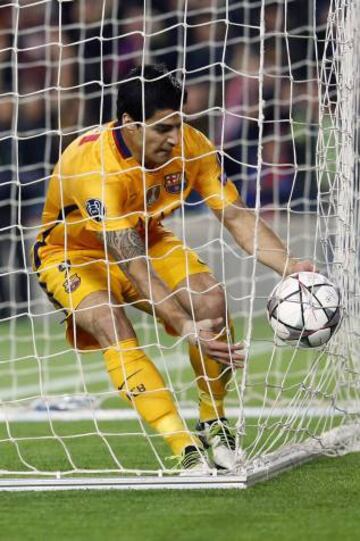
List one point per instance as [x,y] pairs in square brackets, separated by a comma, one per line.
[132,373]
[97,321]
[183,272]
[200,294]
[207,300]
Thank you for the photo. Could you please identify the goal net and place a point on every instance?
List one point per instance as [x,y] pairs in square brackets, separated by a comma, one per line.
[275,86]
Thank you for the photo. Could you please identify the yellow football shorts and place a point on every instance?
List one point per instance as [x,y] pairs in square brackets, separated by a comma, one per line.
[68,278]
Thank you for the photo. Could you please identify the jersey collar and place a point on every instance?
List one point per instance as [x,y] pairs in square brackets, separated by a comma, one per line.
[119,141]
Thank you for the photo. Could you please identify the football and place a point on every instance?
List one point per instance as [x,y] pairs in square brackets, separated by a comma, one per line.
[304,309]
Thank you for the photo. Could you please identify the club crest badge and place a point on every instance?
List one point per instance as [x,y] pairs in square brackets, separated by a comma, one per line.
[95,209]
[152,195]
[175,183]
[72,283]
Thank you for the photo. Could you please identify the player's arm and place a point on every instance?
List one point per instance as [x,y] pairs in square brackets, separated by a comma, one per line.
[249,231]
[127,248]
[253,234]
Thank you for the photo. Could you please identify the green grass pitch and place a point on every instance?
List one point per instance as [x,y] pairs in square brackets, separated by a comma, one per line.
[318,501]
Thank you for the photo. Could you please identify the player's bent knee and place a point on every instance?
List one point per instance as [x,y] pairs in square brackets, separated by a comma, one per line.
[107,324]
[111,326]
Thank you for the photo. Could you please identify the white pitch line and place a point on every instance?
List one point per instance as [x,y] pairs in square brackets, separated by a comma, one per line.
[173,361]
[25,415]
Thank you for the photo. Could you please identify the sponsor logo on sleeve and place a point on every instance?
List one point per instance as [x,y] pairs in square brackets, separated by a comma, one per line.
[175,183]
[72,283]
[222,177]
[152,195]
[95,209]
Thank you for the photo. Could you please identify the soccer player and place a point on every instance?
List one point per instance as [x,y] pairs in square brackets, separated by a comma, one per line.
[102,245]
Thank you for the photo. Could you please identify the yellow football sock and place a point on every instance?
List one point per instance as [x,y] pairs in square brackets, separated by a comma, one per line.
[140,383]
[212,379]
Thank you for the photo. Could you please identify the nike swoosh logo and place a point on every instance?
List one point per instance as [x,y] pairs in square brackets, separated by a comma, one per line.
[127,379]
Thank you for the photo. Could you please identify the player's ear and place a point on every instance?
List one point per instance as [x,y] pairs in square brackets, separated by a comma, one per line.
[129,122]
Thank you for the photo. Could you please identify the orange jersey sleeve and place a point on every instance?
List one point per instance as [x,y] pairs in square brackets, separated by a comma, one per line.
[211,183]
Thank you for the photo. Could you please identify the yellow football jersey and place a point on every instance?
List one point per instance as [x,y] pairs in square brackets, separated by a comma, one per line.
[98,186]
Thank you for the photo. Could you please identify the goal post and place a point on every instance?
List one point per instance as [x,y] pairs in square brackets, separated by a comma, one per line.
[275,86]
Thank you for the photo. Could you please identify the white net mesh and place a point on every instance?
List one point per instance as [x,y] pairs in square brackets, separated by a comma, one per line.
[276,86]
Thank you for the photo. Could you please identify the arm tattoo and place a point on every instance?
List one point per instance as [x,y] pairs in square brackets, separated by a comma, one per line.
[124,246]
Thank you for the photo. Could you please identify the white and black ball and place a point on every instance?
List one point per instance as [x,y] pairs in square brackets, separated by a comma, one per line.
[304,309]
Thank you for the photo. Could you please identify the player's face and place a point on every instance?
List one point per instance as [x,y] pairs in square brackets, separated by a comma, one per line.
[160,134]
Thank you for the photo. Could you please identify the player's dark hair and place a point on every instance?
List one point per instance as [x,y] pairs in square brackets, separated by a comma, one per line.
[161,91]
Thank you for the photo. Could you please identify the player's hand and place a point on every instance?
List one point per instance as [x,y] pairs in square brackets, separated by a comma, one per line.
[300,266]
[203,334]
